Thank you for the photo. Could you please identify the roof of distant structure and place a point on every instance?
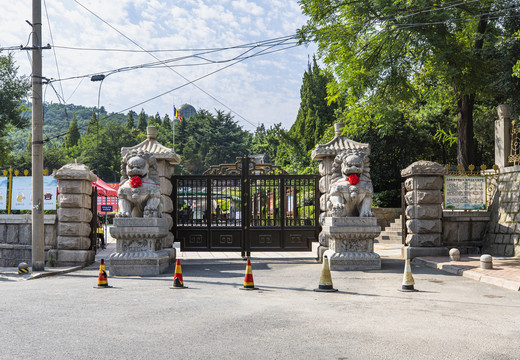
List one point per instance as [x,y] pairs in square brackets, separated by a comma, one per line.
[260,158]
[152,146]
[336,146]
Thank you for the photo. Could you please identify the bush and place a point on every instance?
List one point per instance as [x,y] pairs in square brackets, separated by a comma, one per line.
[387,199]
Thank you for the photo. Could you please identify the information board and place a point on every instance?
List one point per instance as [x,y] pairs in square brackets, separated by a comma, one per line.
[465,192]
[21,196]
[3,193]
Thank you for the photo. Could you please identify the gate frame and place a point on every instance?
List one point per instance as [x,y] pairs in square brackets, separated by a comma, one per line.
[255,171]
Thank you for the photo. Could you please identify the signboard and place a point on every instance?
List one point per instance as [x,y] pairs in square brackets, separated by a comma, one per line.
[106,208]
[21,195]
[108,201]
[3,192]
[465,192]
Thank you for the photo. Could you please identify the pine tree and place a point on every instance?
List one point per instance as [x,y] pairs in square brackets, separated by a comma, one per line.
[92,124]
[314,115]
[155,120]
[142,123]
[72,137]
[167,123]
[130,121]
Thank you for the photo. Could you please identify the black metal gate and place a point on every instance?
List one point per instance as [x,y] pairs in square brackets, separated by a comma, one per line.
[260,209]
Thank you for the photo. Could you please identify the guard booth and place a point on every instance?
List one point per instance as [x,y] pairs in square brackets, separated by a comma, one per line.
[246,207]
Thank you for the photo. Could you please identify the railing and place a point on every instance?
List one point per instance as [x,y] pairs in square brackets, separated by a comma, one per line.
[514,153]
[6,187]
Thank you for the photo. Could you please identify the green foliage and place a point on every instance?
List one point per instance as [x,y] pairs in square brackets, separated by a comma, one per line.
[73,135]
[314,116]
[391,58]
[206,139]
[13,89]
[142,122]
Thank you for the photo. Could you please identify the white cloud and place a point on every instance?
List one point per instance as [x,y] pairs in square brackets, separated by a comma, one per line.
[268,84]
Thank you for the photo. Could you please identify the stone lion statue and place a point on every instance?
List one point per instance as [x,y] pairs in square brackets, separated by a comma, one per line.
[350,191]
[139,191]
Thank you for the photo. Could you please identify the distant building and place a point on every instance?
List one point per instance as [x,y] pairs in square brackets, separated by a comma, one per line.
[260,158]
[187,111]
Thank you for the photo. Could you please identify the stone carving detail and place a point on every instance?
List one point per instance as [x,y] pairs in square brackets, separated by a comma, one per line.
[350,192]
[135,245]
[139,191]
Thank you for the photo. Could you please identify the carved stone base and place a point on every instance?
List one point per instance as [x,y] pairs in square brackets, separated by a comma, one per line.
[139,247]
[142,263]
[351,243]
[353,260]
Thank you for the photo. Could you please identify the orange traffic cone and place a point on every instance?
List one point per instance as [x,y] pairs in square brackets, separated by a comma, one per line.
[325,278]
[408,281]
[102,279]
[248,279]
[177,277]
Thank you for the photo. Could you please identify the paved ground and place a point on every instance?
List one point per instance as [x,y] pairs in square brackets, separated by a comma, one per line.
[450,317]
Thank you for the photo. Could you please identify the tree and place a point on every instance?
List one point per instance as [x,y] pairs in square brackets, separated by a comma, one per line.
[92,124]
[13,89]
[167,123]
[155,120]
[130,124]
[142,123]
[314,114]
[73,135]
[208,140]
[388,56]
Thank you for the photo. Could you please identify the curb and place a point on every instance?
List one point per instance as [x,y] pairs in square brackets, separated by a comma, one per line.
[470,274]
[53,273]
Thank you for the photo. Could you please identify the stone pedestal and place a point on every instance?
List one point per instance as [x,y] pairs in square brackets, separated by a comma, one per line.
[351,243]
[139,249]
[424,183]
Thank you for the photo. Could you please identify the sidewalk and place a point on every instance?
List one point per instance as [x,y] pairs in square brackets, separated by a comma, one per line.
[505,272]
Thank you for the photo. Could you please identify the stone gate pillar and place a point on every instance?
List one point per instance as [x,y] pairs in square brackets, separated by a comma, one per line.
[424,184]
[74,216]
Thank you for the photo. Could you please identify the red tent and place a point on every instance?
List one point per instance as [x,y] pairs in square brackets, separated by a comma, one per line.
[103,189]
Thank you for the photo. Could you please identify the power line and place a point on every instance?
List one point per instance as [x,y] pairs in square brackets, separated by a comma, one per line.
[246,45]
[155,57]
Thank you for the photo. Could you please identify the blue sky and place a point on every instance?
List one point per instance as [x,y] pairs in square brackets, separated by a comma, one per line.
[262,89]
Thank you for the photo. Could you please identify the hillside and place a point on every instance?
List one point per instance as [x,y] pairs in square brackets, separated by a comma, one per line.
[56,121]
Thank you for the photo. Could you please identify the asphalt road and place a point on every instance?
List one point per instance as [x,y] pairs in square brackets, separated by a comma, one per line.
[450,317]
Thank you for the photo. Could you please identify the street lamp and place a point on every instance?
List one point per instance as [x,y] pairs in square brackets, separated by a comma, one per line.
[100,78]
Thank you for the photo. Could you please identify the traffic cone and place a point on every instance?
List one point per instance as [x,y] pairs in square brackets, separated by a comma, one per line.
[102,278]
[248,279]
[177,277]
[325,278]
[408,281]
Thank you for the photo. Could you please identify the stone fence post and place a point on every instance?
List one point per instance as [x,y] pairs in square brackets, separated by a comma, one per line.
[74,216]
[424,184]
[503,136]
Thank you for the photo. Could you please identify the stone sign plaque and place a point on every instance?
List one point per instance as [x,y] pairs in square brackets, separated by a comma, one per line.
[464,192]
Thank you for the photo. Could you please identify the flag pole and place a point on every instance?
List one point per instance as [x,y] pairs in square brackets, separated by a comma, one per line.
[173,129]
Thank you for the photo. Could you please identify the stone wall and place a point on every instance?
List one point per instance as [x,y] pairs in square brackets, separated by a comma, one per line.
[385,216]
[464,230]
[16,238]
[503,232]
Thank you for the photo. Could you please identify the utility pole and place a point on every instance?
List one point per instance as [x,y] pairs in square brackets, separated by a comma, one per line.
[38,241]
